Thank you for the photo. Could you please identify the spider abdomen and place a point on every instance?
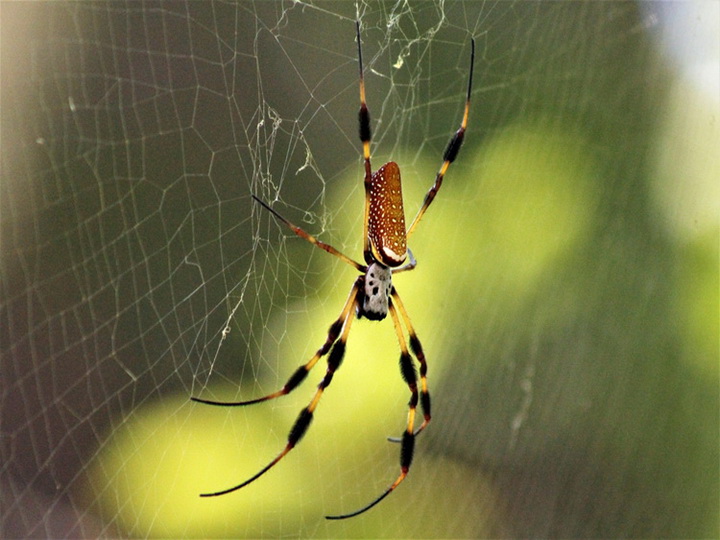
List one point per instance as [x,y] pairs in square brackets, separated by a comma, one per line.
[386,216]
[375,296]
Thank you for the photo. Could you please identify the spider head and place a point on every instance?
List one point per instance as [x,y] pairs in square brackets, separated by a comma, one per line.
[375,294]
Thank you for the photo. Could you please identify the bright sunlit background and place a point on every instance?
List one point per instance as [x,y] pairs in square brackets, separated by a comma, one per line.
[566,292]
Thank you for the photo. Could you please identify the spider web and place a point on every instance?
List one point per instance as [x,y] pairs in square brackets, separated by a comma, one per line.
[566,293]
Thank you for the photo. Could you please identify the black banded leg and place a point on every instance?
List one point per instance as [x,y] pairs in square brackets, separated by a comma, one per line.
[417,350]
[451,152]
[306,415]
[407,447]
[301,372]
[365,137]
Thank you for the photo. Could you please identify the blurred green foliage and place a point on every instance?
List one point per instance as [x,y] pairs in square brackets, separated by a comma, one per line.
[572,336]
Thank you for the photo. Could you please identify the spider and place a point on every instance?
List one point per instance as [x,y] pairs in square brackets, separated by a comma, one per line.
[372,294]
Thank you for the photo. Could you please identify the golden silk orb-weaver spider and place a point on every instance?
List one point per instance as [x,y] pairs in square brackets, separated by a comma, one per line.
[372,294]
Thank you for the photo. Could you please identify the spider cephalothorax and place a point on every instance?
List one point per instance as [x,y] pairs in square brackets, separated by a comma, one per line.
[372,295]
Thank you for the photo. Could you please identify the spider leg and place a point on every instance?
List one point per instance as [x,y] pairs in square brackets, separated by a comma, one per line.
[417,350]
[301,372]
[451,151]
[408,439]
[410,265]
[310,238]
[365,137]
[306,415]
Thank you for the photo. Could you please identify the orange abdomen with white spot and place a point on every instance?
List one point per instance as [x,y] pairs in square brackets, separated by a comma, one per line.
[386,217]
